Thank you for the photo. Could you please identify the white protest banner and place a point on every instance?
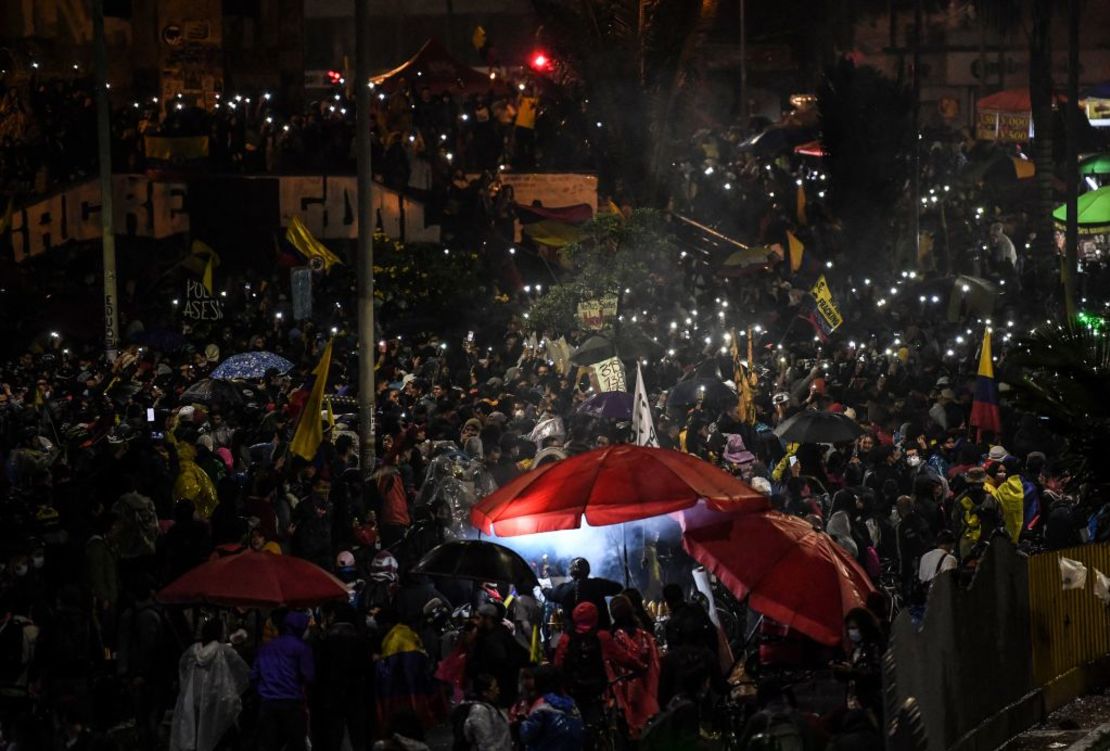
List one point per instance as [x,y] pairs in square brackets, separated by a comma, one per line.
[643,427]
[610,375]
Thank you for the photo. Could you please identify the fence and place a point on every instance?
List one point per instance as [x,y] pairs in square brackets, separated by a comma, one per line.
[995,658]
[1069,627]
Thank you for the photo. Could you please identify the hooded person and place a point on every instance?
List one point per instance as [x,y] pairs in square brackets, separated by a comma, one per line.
[213,677]
[588,656]
[283,670]
[1009,491]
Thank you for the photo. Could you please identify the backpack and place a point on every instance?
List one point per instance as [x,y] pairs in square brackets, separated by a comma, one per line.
[584,666]
[458,726]
[780,733]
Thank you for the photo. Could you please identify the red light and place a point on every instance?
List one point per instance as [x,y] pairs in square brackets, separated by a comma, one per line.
[334,76]
[540,61]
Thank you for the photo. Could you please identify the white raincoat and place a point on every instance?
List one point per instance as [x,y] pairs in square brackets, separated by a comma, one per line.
[213,676]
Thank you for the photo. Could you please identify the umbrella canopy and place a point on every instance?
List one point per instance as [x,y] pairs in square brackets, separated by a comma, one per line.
[709,390]
[1094,212]
[609,485]
[614,405]
[1011,100]
[750,260]
[250,365]
[258,580]
[594,349]
[812,426]
[478,560]
[212,391]
[1099,164]
[812,148]
[789,571]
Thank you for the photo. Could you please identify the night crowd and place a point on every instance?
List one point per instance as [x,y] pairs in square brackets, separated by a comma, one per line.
[116,483]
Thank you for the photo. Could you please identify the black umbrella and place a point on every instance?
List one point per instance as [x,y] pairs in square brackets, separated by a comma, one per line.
[812,426]
[708,390]
[594,349]
[478,560]
[213,391]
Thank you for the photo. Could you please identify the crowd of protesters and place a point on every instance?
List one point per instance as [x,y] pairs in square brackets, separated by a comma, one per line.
[116,484]
[422,139]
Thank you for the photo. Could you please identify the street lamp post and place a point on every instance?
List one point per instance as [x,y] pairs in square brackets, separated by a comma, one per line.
[365,261]
[104,143]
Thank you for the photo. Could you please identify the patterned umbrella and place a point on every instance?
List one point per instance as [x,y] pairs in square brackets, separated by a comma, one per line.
[249,365]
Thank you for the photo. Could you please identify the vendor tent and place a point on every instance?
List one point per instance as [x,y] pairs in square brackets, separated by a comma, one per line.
[434,67]
[1006,116]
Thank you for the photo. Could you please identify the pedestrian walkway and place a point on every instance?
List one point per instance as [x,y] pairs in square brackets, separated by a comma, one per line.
[1069,727]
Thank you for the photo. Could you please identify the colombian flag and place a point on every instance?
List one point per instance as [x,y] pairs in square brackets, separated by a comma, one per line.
[984,407]
[404,681]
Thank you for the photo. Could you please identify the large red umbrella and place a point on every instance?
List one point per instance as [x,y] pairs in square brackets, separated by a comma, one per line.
[609,485]
[253,579]
[790,571]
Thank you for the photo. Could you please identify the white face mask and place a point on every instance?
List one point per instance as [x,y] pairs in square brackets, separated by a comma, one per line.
[21,569]
[913,461]
[855,636]
[38,561]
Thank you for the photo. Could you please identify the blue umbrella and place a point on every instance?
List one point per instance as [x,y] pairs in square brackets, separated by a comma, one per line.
[249,365]
[615,405]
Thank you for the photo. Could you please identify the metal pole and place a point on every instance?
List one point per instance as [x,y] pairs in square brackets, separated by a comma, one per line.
[104,143]
[366,344]
[1071,115]
[917,20]
[744,61]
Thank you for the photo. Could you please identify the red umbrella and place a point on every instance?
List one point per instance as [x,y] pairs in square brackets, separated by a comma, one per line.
[253,579]
[609,485]
[791,572]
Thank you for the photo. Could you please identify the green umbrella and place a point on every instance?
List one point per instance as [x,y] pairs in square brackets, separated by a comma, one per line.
[1099,164]
[1094,212]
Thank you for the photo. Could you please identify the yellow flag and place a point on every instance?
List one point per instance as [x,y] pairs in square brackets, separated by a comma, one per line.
[308,246]
[986,364]
[796,250]
[745,406]
[310,433]
[331,415]
[207,280]
[802,206]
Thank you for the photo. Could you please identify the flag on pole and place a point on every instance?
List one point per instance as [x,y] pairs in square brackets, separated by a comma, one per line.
[643,427]
[310,433]
[207,279]
[796,249]
[984,407]
[745,405]
[824,316]
[308,246]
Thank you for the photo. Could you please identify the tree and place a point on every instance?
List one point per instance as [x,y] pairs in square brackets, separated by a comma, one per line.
[866,122]
[1035,18]
[1063,373]
[630,62]
[614,256]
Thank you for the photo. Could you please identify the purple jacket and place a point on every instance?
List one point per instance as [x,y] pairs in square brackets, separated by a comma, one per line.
[283,667]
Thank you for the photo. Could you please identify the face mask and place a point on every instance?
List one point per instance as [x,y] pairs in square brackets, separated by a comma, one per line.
[38,561]
[519,414]
[855,635]
[914,461]
[21,570]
